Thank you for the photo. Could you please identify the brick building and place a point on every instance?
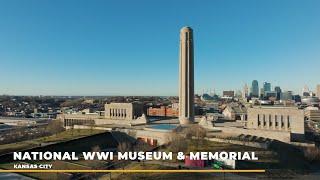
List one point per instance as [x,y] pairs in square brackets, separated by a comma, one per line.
[163,111]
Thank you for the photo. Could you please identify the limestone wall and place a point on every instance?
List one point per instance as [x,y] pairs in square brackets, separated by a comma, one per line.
[244,143]
[286,119]
[90,127]
[283,136]
[123,111]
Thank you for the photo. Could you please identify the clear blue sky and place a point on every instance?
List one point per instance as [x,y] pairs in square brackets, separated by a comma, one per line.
[125,47]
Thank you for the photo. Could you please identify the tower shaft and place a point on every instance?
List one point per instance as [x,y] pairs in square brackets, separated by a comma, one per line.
[186,77]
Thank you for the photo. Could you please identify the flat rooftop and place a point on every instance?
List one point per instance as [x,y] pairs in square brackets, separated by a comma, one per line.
[275,107]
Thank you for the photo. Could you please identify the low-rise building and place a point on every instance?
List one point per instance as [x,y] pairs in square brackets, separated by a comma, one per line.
[123,111]
[312,114]
[115,113]
[235,112]
[310,101]
[163,111]
[13,121]
[228,94]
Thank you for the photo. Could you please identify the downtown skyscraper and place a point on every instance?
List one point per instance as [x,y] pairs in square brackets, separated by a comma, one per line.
[266,86]
[278,90]
[255,89]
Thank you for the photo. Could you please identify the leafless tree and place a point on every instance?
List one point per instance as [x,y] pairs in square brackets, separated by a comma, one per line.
[141,146]
[195,132]
[96,148]
[55,127]
[124,147]
[312,153]
[177,143]
[132,133]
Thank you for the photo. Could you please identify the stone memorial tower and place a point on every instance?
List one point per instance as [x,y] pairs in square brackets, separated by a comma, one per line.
[186,77]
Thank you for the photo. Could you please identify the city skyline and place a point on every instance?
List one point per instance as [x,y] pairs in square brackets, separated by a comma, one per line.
[117,48]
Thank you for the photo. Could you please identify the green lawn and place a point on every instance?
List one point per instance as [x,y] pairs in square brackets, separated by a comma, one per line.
[137,166]
[267,158]
[159,176]
[91,163]
[63,136]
